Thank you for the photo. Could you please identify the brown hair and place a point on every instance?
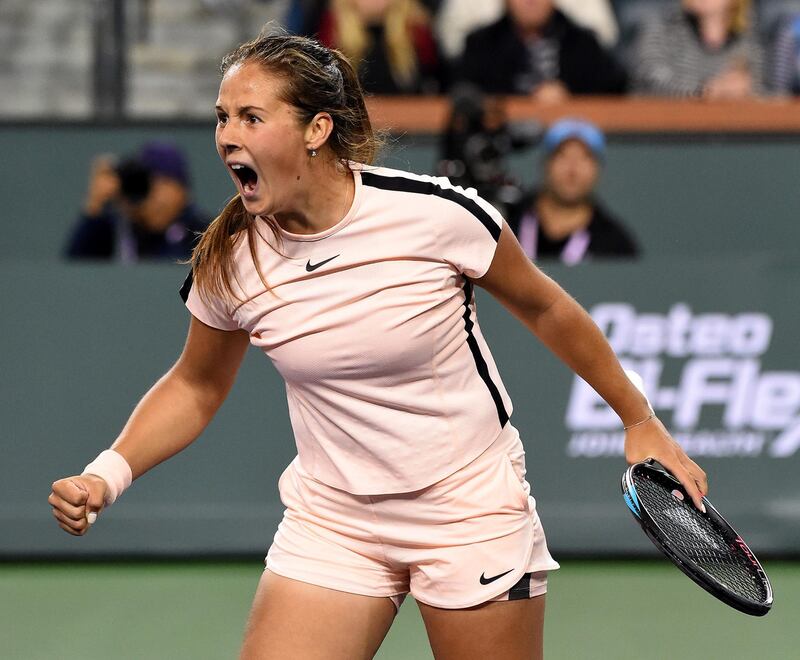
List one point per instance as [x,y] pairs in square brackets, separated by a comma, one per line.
[317,79]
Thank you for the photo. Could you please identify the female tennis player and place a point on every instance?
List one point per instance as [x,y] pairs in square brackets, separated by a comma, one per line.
[357,281]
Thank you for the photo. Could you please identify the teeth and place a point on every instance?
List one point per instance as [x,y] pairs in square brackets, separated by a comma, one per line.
[237,166]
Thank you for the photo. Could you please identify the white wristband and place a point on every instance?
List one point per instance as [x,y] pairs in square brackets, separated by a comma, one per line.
[114,470]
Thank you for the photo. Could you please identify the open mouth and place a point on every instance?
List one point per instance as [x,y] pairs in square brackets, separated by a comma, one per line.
[247,177]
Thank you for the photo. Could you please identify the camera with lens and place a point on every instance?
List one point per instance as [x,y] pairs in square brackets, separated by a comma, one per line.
[477,142]
[135,180]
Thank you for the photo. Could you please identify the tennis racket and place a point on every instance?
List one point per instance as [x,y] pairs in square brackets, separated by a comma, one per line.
[702,545]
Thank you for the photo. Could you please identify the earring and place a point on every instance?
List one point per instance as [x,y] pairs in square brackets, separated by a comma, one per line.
[313,153]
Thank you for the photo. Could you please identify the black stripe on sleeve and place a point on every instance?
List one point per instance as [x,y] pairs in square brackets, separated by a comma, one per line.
[402,184]
[480,363]
[522,589]
[187,286]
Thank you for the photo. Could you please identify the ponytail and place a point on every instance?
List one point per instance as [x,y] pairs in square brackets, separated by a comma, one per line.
[212,258]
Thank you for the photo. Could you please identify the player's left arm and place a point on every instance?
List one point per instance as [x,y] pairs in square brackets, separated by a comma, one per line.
[565,328]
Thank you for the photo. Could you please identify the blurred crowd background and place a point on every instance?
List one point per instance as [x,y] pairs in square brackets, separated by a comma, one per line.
[113,62]
[159,58]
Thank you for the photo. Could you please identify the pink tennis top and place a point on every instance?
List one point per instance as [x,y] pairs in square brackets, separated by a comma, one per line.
[372,324]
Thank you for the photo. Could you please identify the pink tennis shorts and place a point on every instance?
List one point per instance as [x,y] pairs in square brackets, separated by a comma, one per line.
[472,537]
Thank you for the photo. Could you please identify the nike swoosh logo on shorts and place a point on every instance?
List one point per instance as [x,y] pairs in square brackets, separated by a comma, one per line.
[310,268]
[485,580]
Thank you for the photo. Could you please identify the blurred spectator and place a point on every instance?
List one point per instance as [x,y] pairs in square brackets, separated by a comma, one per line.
[535,49]
[703,48]
[477,143]
[390,42]
[562,219]
[457,18]
[139,209]
[784,76]
[304,16]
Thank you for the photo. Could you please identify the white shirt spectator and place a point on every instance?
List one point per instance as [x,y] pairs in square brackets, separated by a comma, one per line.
[457,18]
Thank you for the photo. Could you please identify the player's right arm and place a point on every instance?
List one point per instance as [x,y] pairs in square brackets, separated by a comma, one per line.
[167,419]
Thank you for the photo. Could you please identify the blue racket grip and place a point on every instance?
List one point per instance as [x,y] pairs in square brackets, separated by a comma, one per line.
[632,501]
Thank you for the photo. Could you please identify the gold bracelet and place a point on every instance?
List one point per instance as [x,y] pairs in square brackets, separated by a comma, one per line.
[646,419]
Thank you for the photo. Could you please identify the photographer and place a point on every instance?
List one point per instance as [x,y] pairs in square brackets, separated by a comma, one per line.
[138,209]
[477,143]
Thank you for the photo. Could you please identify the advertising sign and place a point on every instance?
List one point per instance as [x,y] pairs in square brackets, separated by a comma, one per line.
[704,377]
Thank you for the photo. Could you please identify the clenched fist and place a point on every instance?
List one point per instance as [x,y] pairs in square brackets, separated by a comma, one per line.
[76,501]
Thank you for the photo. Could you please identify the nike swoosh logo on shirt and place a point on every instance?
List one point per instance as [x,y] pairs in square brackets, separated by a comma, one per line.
[310,267]
[485,580]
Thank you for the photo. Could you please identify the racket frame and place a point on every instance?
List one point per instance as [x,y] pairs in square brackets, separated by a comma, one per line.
[656,535]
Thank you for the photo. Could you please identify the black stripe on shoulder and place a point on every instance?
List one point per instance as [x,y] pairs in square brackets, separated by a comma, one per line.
[402,184]
[480,362]
[187,286]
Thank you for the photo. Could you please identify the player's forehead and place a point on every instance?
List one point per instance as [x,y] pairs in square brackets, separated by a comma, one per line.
[250,84]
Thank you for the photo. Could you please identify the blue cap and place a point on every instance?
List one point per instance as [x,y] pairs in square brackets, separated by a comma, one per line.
[165,159]
[575,129]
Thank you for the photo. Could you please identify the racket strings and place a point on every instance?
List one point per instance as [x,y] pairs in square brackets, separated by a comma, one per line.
[711,548]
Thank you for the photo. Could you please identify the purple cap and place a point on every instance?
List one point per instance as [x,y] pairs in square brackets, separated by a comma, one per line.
[575,129]
[165,159]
